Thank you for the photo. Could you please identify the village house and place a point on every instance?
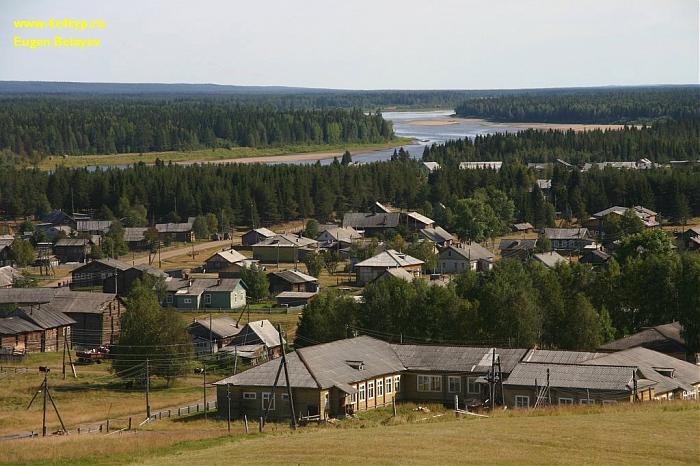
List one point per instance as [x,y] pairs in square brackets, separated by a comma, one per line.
[72,249]
[416,221]
[93,274]
[291,280]
[257,341]
[549,259]
[480,165]
[369,269]
[472,256]
[93,227]
[568,239]
[135,238]
[18,336]
[28,296]
[517,248]
[176,231]
[256,235]
[283,248]
[205,293]
[223,260]
[338,237]
[647,216]
[97,316]
[372,223]
[210,335]
[522,227]
[438,235]
[55,326]
[666,339]
[429,167]
[6,257]
[126,279]
[295,298]
[690,238]
[328,380]
[594,257]
[401,274]
[59,217]
[8,276]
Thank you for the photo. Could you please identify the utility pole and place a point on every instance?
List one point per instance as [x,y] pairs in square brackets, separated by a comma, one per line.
[211,338]
[148,389]
[46,389]
[228,406]
[286,376]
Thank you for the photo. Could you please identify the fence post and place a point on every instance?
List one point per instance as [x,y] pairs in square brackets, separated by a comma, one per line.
[100,427]
[245,422]
[260,427]
[107,425]
[129,422]
[78,429]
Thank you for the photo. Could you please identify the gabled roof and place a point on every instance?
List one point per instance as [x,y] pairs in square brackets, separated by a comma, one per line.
[225,285]
[72,242]
[390,258]
[558,356]
[470,252]
[523,226]
[580,376]
[517,244]
[263,375]
[134,234]
[175,227]
[221,327]
[346,234]
[27,295]
[361,220]
[107,263]
[550,259]
[230,255]
[16,325]
[79,302]
[592,254]
[44,318]
[262,232]
[294,276]
[437,234]
[262,330]
[403,274]
[431,166]
[648,337]
[455,358]
[566,233]
[420,218]
[643,213]
[93,225]
[8,275]
[286,241]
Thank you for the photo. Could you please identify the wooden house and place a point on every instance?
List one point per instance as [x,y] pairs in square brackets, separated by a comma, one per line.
[93,227]
[135,238]
[438,235]
[522,227]
[416,221]
[338,237]
[182,232]
[368,270]
[283,248]
[55,326]
[372,223]
[205,293]
[667,339]
[291,280]
[517,248]
[209,335]
[549,259]
[19,336]
[594,257]
[295,298]
[456,259]
[72,249]
[94,274]
[256,235]
[6,257]
[569,239]
[224,260]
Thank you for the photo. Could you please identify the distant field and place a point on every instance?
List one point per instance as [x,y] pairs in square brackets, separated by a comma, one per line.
[626,434]
[75,161]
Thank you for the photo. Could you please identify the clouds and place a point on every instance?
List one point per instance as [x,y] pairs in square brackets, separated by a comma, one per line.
[368,44]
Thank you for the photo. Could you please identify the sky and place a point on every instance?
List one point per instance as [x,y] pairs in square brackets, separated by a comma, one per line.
[362,44]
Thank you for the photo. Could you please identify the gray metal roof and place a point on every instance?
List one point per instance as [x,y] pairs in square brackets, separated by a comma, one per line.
[72,242]
[362,220]
[264,374]
[581,376]
[26,295]
[80,302]
[294,276]
[566,233]
[133,234]
[221,327]
[651,335]
[469,251]
[390,258]
[456,358]
[557,356]
[517,244]
[229,255]
[16,325]
[108,263]
[286,241]
[437,234]
[43,317]
[550,259]
[258,330]
[93,225]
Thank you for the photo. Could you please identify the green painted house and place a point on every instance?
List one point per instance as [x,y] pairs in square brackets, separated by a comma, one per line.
[205,293]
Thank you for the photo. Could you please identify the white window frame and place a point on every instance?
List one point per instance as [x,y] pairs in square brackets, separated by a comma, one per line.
[397,383]
[586,401]
[388,386]
[519,399]
[270,398]
[455,380]
[187,300]
[472,386]
[565,401]
[250,395]
[207,298]
[429,383]
[353,396]
[380,387]
[362,394]
[370,390]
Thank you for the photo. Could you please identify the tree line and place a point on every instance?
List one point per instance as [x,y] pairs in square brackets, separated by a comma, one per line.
[584,106]
[36,127]
[521,304]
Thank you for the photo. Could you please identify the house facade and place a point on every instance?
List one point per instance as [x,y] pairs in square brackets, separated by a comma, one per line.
[291,280]
[568,239]
[55,326]
[368,270]
[72,249]
[458,258]
[205,293]
[283,248]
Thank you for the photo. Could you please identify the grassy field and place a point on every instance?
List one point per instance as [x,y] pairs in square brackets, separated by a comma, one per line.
[658,433]
[52,162]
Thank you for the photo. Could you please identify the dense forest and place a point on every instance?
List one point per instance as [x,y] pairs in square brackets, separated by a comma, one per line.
[603,106]
[36,127]
[660,142]
[245,194]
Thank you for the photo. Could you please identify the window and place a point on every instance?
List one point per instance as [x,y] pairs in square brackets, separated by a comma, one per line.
[522,401]
[362,392]
[388,385]
[249,395]
[454,384]
[609,402]
[285,396]
[472,386]
[429,383]
[380,388]
[187,300]
[566,401]
[586,401]
[397,383]
[353,397]
[169,299]
[207,299]
[268,399]
[370,390]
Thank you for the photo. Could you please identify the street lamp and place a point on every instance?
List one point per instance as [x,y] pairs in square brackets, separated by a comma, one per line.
[203,370]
